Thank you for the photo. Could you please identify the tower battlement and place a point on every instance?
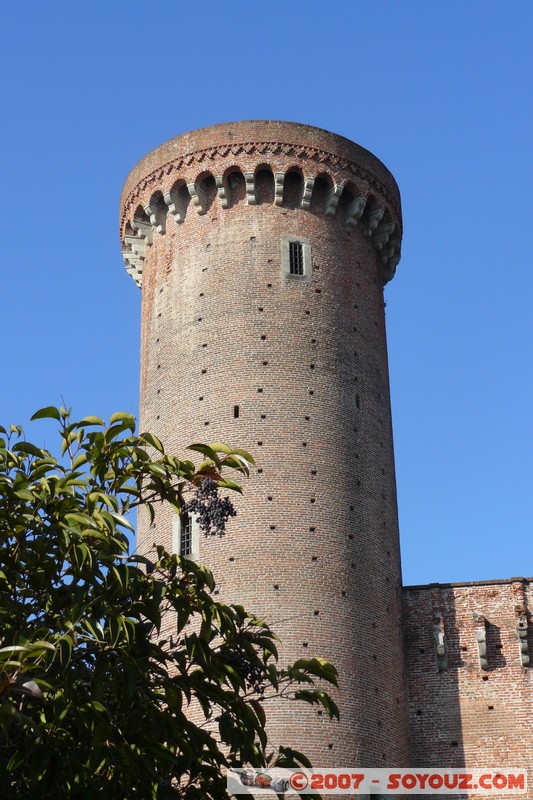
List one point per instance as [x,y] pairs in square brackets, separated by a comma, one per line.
[285,164]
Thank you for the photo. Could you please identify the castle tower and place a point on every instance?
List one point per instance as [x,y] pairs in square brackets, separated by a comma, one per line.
[262,249]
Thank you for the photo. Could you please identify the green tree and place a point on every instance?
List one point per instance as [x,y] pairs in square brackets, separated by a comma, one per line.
[94,701]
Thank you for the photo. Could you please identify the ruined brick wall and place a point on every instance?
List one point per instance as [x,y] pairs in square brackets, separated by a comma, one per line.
[473,705]
[294,370]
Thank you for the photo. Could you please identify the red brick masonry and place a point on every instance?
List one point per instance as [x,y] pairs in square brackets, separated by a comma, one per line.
[294,369]
[475,712]
[315,546]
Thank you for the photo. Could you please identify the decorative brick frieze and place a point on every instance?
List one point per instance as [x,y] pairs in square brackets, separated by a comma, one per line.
[349,180]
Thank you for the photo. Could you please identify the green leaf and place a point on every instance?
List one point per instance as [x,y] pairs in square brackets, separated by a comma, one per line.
[120,637]
[319,667]
[115,431]
[157,469]
[229,484]
[49,412]
[64,646]
[206,450]
[121,520]
[90,421]
[14,648]
[16,760]
[259,710]
[152,440]
[207,466]
[292,758]
[233,463]
[68,438]
[28,447]
[81,555]
[219,447]
[24,494]
[122,416]
[315,697]
[94,628]
[83,520]
[80,459]
[42,645]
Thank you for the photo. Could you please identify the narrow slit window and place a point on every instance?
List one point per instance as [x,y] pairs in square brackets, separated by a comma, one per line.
[296,262]
[186,537]
[296,258]
[236,412]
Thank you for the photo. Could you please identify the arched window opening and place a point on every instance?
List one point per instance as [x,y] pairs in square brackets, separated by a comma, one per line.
[264,186]
[371,217]
[141,215]
[293,189]
[237,187]
[157,211]
[321,189]
[209,190]
[178,200]
[345,201]
[157,202]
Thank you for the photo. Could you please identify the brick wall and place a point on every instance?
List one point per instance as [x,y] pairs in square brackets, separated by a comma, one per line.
[315,546]
[475,712]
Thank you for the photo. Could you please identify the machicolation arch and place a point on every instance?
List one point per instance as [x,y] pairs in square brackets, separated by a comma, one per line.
[304,184]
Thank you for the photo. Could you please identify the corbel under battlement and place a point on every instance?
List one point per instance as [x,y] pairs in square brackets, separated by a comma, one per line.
[357,212]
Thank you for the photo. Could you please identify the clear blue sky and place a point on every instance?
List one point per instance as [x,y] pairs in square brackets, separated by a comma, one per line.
[441,92]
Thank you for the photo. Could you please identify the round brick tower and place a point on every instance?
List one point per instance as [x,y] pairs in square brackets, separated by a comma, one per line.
[262,249]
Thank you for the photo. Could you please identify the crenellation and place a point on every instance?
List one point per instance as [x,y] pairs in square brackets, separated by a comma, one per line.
[198,198]
[279,179]
[522,636]
[143,230]
[157,214]
[249,178]
[332,199]
[309,184]
[441,646]
[481,640]
[222,192]
[355,211]
[478,712]
[371,221]
[176,206]
[382,235]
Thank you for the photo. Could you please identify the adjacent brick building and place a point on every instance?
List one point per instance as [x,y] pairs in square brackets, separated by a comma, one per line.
[467,651]
[262,249]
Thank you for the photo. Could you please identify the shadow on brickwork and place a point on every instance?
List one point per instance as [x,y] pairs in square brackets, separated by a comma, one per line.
[434,655]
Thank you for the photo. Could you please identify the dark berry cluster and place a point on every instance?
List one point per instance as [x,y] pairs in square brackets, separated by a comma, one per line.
[254,674]
[211,511]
